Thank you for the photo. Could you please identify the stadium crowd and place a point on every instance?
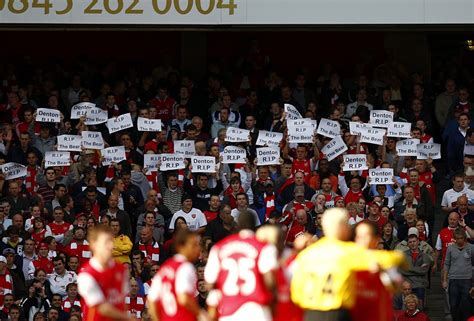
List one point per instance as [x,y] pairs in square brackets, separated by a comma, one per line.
[45,215]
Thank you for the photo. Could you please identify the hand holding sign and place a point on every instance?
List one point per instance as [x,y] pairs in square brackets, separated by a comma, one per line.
[119,123]
[380,176]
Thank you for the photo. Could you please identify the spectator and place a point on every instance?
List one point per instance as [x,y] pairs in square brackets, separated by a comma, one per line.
[194,217]
[412,312]
[61,277]
[122,243]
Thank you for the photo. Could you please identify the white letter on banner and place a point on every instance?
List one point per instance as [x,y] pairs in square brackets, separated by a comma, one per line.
[53,158]
[399,129]
[334,148]
[203,164]
[170,162]
[114,154]
[71,143]
[381,118]
[233,155]
[269,138]
[81,109]
[407,147]
[329,128]
[237,135]
[13,170]
[292,112]
[92,140]
[186,148]
[426,151]
[47,115]
[119,123]
[380,176]
[149,125]
[356,162]
[268,156]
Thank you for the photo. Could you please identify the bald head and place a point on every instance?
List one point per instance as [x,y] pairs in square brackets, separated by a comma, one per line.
[453,219]
[335,224]
[146,234]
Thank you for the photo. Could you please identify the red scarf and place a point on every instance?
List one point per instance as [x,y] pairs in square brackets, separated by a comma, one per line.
[269,204]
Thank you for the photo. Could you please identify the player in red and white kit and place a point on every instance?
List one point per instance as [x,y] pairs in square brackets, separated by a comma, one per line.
[173,290]
[103,282]
[241,270]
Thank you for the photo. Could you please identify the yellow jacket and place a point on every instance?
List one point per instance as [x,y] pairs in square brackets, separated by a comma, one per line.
[122,248]
[324,277]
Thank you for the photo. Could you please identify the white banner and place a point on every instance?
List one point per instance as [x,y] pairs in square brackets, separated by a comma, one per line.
[47,115]
[469,150]
[185,148]
[92,140]
[356,128]
[380,176]
[149,125]
[292,112]
[381,118]
[269,138]
[203,164]
[150,162]
[114,154]
[356,162]
[81,109]
[407,147]
[171,162]
[234,155]
[334,148]
[399,129]
[71,143]
[329,128]
[426,151]
[300,130]
[372,135]
[96,116]
[119,123]
[268,156]
[52,159]
[13,170]
[237,135]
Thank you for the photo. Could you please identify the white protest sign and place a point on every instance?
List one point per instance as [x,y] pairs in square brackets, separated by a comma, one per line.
[399,129]
[292,112]
[268,156]
[426,151]
[356,128]
[92,140]
[372,135]
[203,164]
[149,125]
[72,143]
[381,118]
[237,135]
[380,176]
[47,115]
[329,128]
[150,162]
[269,138]
[81,109]
[334,148]
[119,123]
[469,150]
[356,162]
[185,148]
[96,116]
[13,170]
[57,159]
[114,154]
[170,162]
[234,155]
[407,147]
[300,130]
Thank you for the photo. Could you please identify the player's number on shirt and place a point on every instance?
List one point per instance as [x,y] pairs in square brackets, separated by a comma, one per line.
[168,300]
[240,277]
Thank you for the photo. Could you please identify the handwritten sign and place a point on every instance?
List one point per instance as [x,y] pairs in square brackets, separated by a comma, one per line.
[72,143]
[149,125]
[301,130]
[150,162]
[52,159]
[171,162]
[329,128]
[356,128]
[237,135]
[407,147]
[426,151]
[203,164]
[372,135]
[356,162]
[185,148]
[268,156]
[114,154]
[119,123]
[380,176]
[381,118]
[269,138]
[81,109]
[92,140]
[234,155]
[399,129]
[96,116]
[334,148]
[47,115]
[469,150]
[292,112]
[13,170]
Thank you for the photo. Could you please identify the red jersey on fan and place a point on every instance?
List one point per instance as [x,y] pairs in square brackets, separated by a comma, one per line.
[427,178]
[210,215]
[303,166]
[353,196]
[106,285]
[135,306]
[236,266]
[373,300]
[6,285]
[151,251]
[286,310]
[68,304]
[165,108]
[176,276]
[446,238]
[82,251]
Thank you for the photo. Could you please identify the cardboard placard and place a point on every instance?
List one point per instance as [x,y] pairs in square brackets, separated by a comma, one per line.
[430,150]
[399,129]
[184,147]
[13,170]
[380,176]
[96,116]
[92,140]
[268,156]
[149,125]
[407,147]
[381,118]
[52,159]
[292,112]
[234,155]
[48,115]
[356,162]
[203,164]
[237,135]
[119,123]
[71,143]
[171,162]
[372,135]
[469,150]
[81,109]
[356,128]
[329,128]
[114,154]
[334,148]
[300,130]
[269,138]
[150,162]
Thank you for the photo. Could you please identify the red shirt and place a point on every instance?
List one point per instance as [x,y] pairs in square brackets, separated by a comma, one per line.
[6,285]
[210,215]
[165,108]
[380,222]
[427,178]
[295,231]
[68,304]
[447,238]
[81,250]
[151,251]
[353,196]
[135,306]
[44,263]
[286,310]
[303,166]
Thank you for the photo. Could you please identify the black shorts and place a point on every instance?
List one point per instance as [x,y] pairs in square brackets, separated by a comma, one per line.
[332,315]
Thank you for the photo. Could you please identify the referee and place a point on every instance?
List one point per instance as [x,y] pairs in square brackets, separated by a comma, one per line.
[323,282]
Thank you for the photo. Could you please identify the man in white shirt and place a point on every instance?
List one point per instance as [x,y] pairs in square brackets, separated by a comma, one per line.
[195,219]
[242,206]
[361,101]
[61,277]
[450,197]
